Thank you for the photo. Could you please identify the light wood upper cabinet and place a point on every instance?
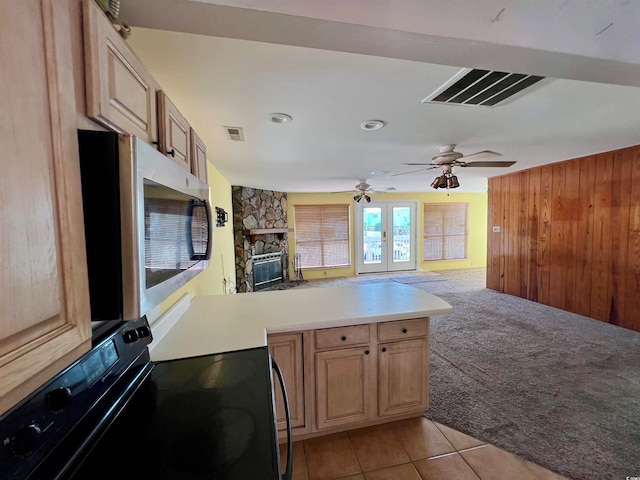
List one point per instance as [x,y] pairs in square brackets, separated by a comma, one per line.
[198,157]
[286,350]
[121,93]
[44,299]
[175,132]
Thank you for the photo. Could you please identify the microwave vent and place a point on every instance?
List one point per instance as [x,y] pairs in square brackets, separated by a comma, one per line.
[481,87]
[235,134]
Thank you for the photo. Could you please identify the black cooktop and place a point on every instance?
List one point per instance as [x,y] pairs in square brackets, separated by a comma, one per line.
[204,418]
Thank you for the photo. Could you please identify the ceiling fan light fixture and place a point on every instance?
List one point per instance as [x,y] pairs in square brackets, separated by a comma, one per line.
[439,182]
[372,125]
[452,182]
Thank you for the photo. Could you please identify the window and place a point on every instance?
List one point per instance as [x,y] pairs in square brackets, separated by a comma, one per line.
[445,231]
[322,235]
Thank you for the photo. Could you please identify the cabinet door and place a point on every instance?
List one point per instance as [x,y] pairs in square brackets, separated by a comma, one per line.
[344,385]
[198,157]
[175,132]
[404,377]
[44,299]
[121,93]
[286,350]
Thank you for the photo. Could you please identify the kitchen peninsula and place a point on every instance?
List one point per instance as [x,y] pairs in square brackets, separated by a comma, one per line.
[351,356]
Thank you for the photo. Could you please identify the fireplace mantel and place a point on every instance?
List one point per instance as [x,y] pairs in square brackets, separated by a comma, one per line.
[255,232]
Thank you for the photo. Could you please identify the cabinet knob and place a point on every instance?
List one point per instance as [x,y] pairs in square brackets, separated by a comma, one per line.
[344,338]
[404,330]
[384,349]
[366,352]
[158,144]
[172,152]
[27,438]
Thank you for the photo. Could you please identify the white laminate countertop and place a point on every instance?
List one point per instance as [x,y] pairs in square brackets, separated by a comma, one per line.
[221,323]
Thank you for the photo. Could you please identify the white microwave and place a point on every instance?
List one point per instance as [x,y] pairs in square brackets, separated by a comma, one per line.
[147,224]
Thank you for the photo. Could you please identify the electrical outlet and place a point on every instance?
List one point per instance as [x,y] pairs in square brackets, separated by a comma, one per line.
[496,229]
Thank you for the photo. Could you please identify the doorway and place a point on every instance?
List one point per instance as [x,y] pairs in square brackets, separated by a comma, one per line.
[386,236]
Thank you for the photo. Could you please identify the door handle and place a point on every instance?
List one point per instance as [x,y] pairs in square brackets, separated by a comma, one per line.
[288,473]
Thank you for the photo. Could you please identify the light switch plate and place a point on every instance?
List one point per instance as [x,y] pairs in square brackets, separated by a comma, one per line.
[496,229]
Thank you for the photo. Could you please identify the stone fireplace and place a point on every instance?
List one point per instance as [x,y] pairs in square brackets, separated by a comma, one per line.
[259,228]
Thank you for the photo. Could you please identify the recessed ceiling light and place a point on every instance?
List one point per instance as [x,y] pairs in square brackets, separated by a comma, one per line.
[377,173]
[279,118]
[372,125]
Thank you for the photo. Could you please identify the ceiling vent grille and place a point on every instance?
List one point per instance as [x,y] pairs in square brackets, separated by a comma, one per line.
[481,87]
[235,134]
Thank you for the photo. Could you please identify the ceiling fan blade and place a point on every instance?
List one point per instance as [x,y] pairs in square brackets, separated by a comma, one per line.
[412,171]
[425,164]
[483,154]
[487,164]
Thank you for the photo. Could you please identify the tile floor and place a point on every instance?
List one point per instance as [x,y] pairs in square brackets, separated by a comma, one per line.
[415,449]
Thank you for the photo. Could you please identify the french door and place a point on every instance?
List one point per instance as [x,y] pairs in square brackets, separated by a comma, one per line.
[385,236]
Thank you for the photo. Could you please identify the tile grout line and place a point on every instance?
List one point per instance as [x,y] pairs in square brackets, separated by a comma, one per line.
[463,450]
[355,454]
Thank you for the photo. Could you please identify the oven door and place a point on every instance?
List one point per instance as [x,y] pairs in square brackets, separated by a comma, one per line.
[201,418]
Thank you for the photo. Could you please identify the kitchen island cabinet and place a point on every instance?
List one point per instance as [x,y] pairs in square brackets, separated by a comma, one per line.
[364,356]
[44,308]
[286,350]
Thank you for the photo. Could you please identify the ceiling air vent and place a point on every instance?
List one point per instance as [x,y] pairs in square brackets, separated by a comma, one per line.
[234,134]
[481,87]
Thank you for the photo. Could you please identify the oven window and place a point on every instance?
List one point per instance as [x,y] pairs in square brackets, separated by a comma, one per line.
[176,232]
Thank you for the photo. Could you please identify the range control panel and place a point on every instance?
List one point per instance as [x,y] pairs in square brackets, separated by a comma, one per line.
[31,430]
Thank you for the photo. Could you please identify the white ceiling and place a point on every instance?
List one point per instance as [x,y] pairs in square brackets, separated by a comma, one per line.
[332,65]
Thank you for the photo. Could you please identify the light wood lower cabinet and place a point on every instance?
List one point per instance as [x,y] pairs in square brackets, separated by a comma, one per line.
[344,393]
[403,376]
[353,375]
[286,350]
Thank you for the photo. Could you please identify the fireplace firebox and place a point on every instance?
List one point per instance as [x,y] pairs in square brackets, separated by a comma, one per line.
[267,270]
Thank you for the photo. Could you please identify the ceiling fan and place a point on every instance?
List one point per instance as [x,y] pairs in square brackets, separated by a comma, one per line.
[363,188]
[449,158]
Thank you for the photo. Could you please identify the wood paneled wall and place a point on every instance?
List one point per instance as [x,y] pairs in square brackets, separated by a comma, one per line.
[570,236]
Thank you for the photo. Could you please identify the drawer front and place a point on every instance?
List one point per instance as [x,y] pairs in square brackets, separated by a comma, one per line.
[341,336]
[403,329]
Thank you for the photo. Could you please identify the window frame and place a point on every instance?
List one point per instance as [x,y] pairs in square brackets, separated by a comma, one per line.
[444,235]
[322,241]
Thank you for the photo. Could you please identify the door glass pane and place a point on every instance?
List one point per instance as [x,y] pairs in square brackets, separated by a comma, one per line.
[372,234]
[401,234]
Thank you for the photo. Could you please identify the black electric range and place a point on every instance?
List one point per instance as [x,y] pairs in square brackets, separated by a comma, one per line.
[117,414]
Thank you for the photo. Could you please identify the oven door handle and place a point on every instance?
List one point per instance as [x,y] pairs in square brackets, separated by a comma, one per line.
[287,475]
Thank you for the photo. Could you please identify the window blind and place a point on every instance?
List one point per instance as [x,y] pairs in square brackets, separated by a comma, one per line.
[322,235]
[445,231]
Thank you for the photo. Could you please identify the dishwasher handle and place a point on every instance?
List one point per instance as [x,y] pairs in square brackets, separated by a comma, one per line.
[288,473]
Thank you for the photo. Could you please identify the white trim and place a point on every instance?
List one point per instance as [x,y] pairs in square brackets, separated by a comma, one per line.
[385,204]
